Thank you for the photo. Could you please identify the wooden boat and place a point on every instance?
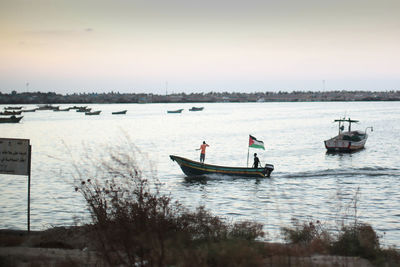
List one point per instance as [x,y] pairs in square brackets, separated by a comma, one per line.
[78,107]
[119,112]
[48,107]
[194,168]
[347,141]
[61,109]
[196,109]
[12,119]
[93,112]
[13,108]
[9,113]
[83,109]
[175,111]
[29,110]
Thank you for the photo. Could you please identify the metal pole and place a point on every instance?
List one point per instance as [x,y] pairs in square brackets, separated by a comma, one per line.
[248,149]
[29,189]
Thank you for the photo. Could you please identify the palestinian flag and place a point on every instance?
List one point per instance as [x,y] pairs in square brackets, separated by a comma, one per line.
[254,143]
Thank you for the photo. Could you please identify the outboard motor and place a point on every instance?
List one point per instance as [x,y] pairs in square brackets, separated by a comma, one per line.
[268,169]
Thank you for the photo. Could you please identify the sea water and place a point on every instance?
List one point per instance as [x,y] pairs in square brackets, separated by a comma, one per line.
[307,183]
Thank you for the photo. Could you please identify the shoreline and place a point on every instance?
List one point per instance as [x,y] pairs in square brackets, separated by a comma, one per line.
[73,246]
[210,97]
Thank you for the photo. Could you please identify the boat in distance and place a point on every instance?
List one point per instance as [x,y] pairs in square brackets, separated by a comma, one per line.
[9,113]
[29,110]
[194,168]
[83,109]
[93,112]
[196,109]
[62,109]
[12,119]
[175,111]
[119,112]
[347,141]
[13,107]
[78,107]
[47,107]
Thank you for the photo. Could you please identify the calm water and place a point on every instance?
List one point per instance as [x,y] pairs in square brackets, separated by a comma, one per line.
[307,183]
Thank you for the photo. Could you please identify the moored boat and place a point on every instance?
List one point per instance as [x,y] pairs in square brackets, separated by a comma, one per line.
[93,112]
[119,112]
[9,113]
[13,107]
[175,111]
[12,119]
[196,109]
[48,107]
[78,107]
[62,109]
[347,141]
[83,109]
[194,168]
[29,110]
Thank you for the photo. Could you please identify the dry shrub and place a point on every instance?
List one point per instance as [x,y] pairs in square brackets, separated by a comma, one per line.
[350,239]
[247,230]
[357,240]
[389,257]
[313,235]
[137,225]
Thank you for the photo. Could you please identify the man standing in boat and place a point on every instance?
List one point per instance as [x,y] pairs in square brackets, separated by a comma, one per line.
[203,151]
[256,161]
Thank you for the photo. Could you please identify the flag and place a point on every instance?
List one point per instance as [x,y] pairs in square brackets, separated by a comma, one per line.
[254,143]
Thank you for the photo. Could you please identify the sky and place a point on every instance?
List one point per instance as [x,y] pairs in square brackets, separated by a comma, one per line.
[174,46]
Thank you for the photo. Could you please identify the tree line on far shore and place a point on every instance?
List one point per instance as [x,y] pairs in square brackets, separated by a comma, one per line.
[210,97]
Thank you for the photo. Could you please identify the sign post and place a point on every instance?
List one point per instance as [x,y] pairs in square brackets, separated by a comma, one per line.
[15,159]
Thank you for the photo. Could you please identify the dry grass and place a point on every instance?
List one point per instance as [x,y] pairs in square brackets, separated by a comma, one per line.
[354,240]
[135,224]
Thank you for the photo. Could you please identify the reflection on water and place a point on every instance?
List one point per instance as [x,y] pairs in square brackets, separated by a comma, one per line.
[212,178]
[307,182]
[339,153]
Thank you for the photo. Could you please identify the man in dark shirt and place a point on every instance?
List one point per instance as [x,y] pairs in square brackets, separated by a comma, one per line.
[256,161]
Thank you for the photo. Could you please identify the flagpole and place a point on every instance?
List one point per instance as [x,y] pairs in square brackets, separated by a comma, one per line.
[248,149]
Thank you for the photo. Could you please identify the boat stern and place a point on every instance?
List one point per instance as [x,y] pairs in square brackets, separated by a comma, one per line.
[268,169]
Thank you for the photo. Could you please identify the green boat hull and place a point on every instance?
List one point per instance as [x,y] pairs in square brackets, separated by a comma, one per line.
[194,168]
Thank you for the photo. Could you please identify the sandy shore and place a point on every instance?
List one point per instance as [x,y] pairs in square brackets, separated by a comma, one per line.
[73,247]
[54,247]
[28,256]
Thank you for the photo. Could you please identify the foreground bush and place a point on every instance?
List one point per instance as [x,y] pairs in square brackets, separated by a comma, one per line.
[357,239]
[136,224]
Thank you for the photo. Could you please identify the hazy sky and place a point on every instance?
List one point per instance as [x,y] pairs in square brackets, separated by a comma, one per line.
[189,46]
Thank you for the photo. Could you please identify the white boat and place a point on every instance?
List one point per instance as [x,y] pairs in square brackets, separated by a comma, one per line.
[347,141]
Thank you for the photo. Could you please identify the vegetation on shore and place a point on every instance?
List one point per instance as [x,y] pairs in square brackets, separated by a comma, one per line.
[210,97]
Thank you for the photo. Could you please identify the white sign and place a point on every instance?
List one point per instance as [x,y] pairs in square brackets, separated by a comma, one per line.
[14,156]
